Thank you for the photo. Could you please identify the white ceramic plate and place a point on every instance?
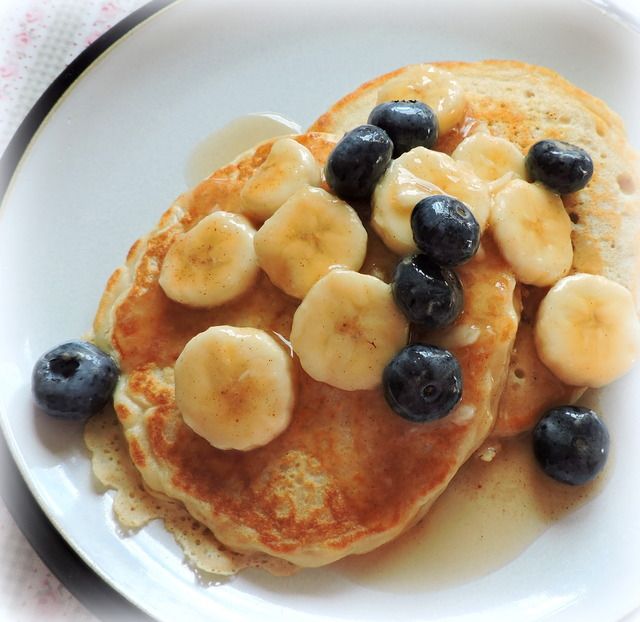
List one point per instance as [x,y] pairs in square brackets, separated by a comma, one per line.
[109,159]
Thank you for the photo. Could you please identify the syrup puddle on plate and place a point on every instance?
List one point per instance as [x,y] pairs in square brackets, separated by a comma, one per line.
[228,142]
[489,514]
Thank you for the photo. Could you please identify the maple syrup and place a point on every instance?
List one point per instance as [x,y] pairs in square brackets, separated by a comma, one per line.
[228,142]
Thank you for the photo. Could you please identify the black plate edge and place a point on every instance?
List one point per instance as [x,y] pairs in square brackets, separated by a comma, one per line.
[34,118]
[65,564]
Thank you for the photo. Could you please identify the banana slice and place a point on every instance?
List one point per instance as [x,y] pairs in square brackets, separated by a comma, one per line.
[491,157]
[234,387]
[413,176]
[587,331]
[435,87]
[394,198]
[312,233]
[347,329]
[212,263]
[533,231]
[454,178]
[288,167]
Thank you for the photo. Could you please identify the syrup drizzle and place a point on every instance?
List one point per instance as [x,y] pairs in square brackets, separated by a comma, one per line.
[228,142]
[491,511]
[489,514]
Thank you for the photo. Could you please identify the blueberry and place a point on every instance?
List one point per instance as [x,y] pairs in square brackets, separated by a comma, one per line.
[571,444]
[445,230]
[74,380]
[422,383]
[426,293]
[358,161]
[560,166]
[409,124]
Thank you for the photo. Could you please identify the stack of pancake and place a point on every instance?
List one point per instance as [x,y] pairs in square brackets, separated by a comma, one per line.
[348,475]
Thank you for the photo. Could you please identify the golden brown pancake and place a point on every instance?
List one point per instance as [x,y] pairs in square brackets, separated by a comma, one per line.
[134,505]
[348,474]
[526,103]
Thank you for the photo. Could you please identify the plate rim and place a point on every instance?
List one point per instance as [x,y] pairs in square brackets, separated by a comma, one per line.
[53,548]
[10,162]
[63,83]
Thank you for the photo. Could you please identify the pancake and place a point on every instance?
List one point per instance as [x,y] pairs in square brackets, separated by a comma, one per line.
[526,103]
[135,505]
[348,474]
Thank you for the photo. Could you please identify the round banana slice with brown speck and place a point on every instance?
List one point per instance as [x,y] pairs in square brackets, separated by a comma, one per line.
[347,329]
[394,198]
[288,167]
[312,233]
[417,174]
[533,231]
[491,157]
[234,387]
[587,331]
[212,263]
[433,86]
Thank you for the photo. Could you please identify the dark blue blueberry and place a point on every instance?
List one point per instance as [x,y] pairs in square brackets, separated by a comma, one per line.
[445,230]
[74,380]
[426,293]
[409,124]
[571,444]
[422,383]
[560,166]
[358,161]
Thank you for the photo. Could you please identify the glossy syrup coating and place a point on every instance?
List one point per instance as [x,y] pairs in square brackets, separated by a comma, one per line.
[445,230]
[426,293]
[422,383]
[408,123]
[358,161]
[571,444]
[561,166]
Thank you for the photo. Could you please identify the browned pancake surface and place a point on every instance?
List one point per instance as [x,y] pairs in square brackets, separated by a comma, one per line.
[348,474]
[525,103]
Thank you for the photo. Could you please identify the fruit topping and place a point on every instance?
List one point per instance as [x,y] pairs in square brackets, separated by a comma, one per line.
[74,380]
[347,329]
[490,156]
[587,330]
[409,124]
[560,166]
[435,87]
[288,167]
[571,444]
[312,233]
[358,161]
[533,232]
[212,263]
[426,293]
[234,387]
[453,178]
[445,230]
[422,383]
[393,200]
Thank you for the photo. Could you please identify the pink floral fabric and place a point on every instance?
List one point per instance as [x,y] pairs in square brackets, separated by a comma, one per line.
[28,591]
[38,39]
